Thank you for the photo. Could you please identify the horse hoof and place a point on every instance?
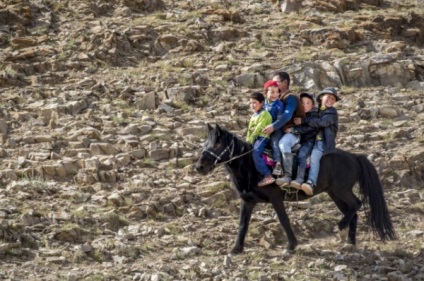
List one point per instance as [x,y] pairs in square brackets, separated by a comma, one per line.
[349,247]
[343,234]
[236,251]
[286,254]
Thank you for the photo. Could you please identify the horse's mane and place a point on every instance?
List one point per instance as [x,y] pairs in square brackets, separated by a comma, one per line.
[242,170]
[239,142]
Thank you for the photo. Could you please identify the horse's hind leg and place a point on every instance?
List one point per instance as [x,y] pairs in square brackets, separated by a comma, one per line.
[348,204]
[245,215]
[351,238]
[279,208]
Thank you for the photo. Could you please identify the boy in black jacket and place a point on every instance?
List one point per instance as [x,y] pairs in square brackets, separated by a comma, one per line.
[307,136]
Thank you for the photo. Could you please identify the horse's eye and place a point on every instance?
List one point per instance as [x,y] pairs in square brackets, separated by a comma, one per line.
[216,145]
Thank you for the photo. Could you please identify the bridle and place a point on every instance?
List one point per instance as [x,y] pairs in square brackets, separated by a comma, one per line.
[230,156]
[229,148]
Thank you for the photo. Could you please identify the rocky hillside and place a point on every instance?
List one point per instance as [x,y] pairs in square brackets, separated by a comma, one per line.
[102,113]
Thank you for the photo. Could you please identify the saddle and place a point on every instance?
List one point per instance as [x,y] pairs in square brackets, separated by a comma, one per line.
[267,155]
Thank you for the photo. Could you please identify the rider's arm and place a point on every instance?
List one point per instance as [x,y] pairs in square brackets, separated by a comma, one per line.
[302,129]
[329,118]
[289,109]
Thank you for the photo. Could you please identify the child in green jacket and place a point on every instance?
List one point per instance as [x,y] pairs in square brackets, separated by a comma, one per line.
[259,120]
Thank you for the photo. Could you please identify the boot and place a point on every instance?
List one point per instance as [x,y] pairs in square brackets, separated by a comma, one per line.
[288,166]
[299,178]
[277,170]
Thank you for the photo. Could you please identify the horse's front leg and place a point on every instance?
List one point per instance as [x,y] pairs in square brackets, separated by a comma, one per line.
[246,210]
[278,204]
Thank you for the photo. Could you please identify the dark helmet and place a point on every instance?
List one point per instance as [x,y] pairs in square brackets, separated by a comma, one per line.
[328,90]
[309,96]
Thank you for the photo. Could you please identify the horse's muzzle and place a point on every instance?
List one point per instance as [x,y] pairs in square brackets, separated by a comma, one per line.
[202,169]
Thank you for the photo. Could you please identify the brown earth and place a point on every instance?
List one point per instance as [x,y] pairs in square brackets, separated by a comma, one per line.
[102,113]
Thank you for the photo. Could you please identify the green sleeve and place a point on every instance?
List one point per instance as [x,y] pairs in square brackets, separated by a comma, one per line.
[264,119]
[249,137]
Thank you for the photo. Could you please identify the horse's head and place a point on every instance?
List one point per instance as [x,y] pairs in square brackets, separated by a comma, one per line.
[218,148]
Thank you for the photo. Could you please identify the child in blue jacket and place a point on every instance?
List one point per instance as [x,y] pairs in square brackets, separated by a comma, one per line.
[275,107]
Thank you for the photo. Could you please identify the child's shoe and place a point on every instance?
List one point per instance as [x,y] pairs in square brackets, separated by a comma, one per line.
[277,170]
[308,187]
[266,181]
[284,181]
[296,183]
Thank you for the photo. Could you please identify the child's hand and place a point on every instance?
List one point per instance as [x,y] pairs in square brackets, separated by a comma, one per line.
[288,130]
[268,130]
[297,120]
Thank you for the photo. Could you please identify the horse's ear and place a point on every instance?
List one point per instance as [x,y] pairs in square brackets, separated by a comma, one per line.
[218,130]
[208,128]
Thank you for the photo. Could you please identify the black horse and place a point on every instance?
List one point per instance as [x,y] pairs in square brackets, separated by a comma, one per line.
[338,174]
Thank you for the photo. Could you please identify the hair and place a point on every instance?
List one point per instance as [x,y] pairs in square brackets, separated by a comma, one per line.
[283,76]
[308,96]
[258,96]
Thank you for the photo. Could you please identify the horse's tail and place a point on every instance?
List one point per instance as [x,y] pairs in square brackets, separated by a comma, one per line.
[372,193]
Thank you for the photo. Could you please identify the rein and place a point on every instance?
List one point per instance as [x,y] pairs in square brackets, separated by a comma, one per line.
[218,157]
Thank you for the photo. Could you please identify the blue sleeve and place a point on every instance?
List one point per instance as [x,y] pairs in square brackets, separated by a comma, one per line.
[277,111]
[274,112]
[327,119]
[289,109]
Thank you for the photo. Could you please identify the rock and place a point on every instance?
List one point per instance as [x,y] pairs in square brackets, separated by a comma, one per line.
[159,154]
[340,267]
[289,6]
[186,94]
[190,251]
[3,127]
[103,149]
[227,261]
[417,233]
[9,174]
[264,242]
[389,112]
[123,159]
[147,100]
[116,199]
